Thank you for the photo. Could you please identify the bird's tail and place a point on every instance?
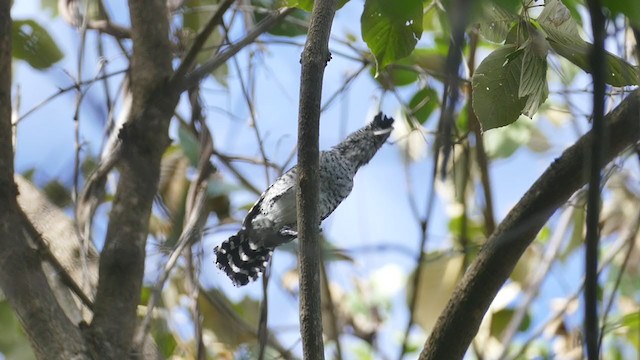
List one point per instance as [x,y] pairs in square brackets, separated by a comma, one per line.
[240,259]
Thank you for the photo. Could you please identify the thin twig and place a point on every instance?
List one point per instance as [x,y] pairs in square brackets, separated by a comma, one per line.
[205,69]
[331,309]
[481,155]
[67,89]
[201,39]
[252,112]
[424,227]
[344,86]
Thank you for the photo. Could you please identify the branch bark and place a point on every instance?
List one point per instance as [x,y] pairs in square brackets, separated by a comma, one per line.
[460,320]
[22,279]
[144,139]
[314,59]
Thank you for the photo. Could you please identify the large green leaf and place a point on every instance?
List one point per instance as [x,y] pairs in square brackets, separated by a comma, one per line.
[564,38]
[391,29]
[33,44]
[496,85]
[496,23]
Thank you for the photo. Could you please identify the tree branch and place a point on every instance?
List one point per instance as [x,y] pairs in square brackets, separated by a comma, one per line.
[144,139]
[198,43]
[314,59]
[592,238]
[460,320]
[22,279]
[194,77]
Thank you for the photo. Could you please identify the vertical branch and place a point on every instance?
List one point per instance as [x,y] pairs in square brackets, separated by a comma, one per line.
[22,279]
[597,60]
[314,59]
[451,91]
[481,154]
[143,139]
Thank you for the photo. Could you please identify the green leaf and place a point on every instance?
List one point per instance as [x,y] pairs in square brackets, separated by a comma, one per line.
[496,84]
[564,38]
[391,29]
[393,76]
[496,23]
[629,8]
[533,78]
[423,103]
[33,44]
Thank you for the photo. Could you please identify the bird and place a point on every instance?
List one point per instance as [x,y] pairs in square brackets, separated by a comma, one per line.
[272,220]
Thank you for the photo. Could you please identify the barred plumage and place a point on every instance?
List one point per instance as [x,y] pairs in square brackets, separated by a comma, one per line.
[272,220]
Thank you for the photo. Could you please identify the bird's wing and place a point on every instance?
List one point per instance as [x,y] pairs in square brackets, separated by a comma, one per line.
[281,187]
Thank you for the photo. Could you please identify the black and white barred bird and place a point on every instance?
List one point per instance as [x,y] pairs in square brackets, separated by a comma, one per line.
[272,220]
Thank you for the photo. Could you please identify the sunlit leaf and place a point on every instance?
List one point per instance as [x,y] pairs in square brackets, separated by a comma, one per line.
[564,38]
[438,279]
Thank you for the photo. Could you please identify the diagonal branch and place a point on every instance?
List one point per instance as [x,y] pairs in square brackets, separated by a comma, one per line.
[194,77]
[460,320]
[314,59]
[201,39]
